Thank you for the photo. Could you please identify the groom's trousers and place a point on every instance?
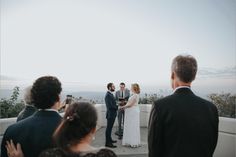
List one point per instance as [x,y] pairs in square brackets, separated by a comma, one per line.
[110,123]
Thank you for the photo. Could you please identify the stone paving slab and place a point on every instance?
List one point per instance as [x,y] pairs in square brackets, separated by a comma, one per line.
[123,151]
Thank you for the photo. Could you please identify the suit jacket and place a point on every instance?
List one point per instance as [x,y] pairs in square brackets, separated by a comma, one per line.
[126,94]
[26,112]
[183,125]
[110,105]
[34,133]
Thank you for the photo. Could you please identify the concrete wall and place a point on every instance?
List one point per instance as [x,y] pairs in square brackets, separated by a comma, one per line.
[227,129]
[144,115]
[226,145]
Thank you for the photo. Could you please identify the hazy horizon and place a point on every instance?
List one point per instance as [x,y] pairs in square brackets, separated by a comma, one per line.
[87,44]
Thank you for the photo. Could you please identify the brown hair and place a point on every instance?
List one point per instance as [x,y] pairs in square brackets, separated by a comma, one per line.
[185,67]
[79,120]
[136,88]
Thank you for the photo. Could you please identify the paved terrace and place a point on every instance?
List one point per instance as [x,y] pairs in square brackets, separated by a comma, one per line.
[225,147]
[123,151]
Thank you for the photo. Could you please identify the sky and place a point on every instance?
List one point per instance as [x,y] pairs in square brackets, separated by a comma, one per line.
[90,43]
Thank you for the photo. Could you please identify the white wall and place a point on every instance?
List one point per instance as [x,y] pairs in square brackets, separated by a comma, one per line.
[227,129]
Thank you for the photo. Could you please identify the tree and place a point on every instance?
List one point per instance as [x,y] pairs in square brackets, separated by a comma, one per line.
[225,103]
[150,98]
[10,107]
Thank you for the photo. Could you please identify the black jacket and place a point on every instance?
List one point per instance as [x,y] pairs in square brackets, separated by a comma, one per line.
[111,105]
[34,133]
[183,125]
[26,112]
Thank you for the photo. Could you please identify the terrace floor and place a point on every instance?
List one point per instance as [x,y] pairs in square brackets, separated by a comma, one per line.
[123,151]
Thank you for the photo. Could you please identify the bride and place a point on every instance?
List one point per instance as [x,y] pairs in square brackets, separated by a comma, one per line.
[131,133]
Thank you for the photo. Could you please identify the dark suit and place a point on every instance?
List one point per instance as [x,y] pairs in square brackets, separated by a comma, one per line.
[183,125]
[34,133]
[26,112]
[110,115]
[121,113]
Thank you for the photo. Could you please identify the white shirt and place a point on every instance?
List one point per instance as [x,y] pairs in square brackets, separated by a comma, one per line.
[49,109]
[180,87]
[122,91]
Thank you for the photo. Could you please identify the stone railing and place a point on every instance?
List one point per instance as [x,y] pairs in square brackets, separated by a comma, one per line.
[227,129]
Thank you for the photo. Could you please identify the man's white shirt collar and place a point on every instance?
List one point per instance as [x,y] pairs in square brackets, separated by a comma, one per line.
[180,87]
[49,110]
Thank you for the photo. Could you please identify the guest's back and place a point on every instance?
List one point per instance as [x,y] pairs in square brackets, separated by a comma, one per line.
[35,133]
[189,125]
[183,124]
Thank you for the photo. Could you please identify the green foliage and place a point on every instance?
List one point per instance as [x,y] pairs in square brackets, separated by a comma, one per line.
[225,103]
[150,98]
[10,107]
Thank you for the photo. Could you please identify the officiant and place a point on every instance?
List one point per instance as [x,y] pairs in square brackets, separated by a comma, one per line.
[122,97]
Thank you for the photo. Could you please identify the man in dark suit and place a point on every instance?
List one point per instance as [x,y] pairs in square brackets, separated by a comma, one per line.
[110,114]
[35,133]
[29,107]
[183,124]
[122,97]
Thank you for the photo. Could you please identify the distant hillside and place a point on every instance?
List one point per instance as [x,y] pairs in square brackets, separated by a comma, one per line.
[96,96]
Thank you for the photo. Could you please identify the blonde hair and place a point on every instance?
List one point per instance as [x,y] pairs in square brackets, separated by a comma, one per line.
[136,88]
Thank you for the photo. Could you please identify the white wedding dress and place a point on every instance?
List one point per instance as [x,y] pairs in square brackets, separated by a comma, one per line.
[131,133]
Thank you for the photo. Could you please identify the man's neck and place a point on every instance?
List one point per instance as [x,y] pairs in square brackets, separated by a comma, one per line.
[181,84]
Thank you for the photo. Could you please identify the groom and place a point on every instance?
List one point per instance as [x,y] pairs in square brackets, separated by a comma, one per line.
[110,114]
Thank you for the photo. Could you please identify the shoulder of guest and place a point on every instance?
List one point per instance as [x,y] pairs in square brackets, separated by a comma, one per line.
[163,102]
[106,152]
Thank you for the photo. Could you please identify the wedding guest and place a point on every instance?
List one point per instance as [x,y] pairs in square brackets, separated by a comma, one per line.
[29,107]
[183,124]
[77,131]
[74,135]
[35,133]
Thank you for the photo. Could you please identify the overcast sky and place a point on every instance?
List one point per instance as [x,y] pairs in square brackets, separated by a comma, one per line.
[95,42]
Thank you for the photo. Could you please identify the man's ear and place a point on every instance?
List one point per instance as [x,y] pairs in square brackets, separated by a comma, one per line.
[172,75]
[93,130]
[59,98]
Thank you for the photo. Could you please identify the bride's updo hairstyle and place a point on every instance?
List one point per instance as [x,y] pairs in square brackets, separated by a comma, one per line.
[79,120]
[136,88]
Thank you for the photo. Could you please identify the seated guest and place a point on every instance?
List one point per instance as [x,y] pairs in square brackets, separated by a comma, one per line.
[29,107]
[74,135]
[35,133]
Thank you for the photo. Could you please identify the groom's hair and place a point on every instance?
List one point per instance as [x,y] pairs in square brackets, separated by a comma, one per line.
[185,67]
[109,85]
